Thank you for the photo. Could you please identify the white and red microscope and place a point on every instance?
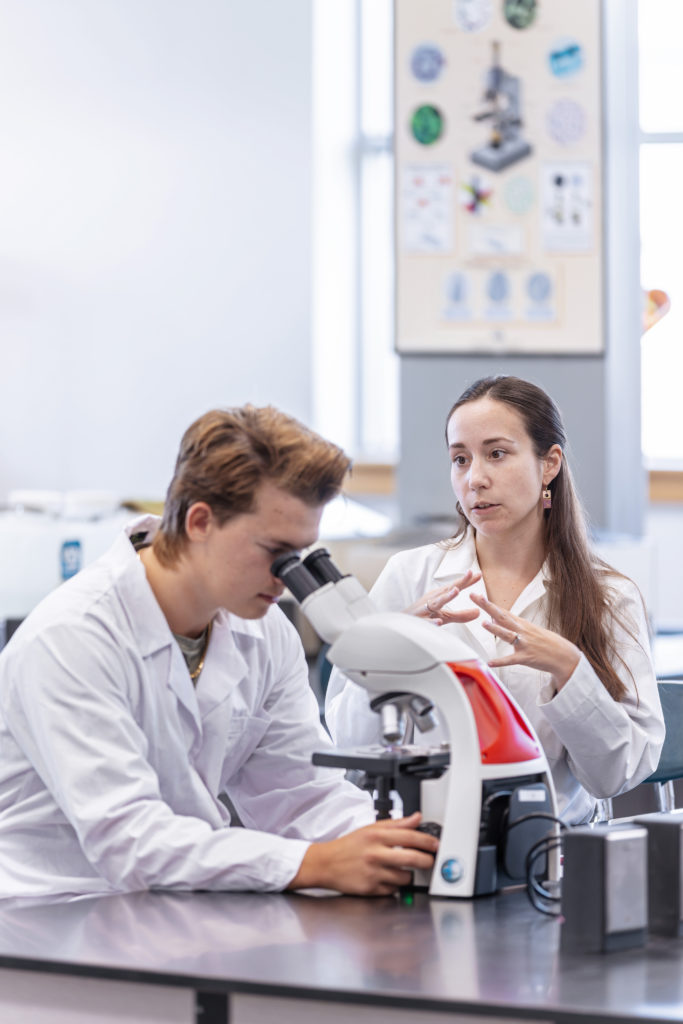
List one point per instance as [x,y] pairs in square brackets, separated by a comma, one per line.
[487,789]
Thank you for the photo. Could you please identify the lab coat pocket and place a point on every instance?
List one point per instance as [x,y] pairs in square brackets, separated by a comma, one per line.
[230,738]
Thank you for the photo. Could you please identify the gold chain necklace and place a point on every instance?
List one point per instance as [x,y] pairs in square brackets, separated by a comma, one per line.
[194,676]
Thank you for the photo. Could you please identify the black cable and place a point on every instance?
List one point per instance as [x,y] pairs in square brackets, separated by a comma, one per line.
[490,825]
[547,839]
[542,847]
[537,851]
[496,794]
[536,893]
[537,814]
[505,827]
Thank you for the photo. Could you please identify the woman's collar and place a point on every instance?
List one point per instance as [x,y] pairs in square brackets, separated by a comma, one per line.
[463,556]
[458,558]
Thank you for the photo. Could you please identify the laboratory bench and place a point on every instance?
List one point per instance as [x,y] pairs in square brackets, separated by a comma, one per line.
[243,958]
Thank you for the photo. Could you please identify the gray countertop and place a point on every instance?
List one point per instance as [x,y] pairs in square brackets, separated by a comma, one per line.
[495,954]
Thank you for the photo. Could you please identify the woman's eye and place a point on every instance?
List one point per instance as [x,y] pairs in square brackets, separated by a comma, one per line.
[459,460]
[497,453]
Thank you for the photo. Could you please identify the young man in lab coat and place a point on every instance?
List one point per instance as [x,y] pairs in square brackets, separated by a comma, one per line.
[164,675]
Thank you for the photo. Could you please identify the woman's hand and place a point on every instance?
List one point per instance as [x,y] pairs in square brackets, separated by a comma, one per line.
[431,605]
[532,645]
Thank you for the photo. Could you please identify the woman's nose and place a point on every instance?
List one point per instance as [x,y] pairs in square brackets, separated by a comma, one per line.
[477,475]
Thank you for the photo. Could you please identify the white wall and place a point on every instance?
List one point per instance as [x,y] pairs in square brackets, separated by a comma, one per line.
[154,229]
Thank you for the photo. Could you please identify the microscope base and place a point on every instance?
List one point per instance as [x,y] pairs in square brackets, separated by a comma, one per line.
[497,158]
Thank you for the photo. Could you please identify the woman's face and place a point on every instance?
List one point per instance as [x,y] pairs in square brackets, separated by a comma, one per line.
[495,474]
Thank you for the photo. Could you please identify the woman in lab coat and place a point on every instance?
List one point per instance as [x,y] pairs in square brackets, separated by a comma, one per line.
[519,584]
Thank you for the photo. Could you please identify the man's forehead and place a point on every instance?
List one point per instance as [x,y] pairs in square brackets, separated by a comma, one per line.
[284,516]
[271,498]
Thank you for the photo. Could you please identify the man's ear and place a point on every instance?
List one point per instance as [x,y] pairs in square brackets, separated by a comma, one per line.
[199,521]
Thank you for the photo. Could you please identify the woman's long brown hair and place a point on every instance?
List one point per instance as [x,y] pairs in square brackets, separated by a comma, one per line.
[581,606]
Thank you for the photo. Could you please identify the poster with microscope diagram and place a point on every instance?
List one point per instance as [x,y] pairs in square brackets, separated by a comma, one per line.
[498,199]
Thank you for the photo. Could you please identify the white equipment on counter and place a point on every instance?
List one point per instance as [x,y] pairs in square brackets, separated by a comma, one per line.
[46,537]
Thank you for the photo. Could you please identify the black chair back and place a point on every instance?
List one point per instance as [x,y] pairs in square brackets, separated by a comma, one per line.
[671,759]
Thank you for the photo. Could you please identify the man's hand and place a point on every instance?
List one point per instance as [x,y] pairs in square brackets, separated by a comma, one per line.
[372,861]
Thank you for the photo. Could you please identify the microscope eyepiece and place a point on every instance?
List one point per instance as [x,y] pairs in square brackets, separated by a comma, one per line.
[283,562]
[290,569]
[321,566]
[332,601]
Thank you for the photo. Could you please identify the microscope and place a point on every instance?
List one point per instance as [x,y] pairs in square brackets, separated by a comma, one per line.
[502,93]
[485,788]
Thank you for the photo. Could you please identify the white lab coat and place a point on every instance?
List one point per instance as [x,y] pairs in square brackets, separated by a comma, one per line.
[111,762]
[595,746]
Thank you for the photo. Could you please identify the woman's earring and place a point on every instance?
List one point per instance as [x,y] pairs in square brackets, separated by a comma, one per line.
[547,498]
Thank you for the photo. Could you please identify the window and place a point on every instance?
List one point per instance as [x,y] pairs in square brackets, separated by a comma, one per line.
[355,373]
[355,367]
[660,24]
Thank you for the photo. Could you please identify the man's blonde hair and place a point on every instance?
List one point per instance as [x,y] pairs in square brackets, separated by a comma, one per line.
[227,453]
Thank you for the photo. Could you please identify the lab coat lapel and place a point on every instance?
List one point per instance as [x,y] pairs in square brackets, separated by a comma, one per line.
[225,665]
[531,593]
[178,680]
[153,634]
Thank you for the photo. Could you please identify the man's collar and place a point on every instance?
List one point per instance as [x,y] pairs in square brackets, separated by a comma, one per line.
[147,620]
[142,530]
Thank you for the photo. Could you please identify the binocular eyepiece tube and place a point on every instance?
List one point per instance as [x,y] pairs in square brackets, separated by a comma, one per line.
[331,600]
[303,578]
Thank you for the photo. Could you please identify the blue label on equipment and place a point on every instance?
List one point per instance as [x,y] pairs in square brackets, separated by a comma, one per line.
[72,558]
[451,870]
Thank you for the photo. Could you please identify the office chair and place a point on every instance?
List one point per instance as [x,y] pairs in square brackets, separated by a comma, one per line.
[670,765]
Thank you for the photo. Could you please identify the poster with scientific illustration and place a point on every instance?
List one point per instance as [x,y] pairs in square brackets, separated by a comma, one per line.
[498,150]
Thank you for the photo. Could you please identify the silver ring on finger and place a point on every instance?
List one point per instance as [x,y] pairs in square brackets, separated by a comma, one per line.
[516,640]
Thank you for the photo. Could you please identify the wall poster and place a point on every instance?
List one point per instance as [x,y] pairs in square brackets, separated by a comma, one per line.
[498,194]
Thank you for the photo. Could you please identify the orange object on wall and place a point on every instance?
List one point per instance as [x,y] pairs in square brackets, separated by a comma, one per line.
[656,304]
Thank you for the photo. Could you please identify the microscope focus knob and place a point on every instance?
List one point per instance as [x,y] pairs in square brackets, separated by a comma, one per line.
[432,828]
